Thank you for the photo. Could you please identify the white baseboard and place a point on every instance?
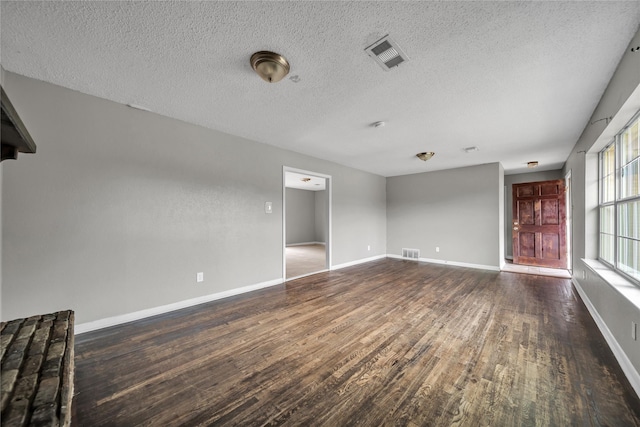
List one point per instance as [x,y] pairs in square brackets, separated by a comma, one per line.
[306,244]
[444,262]
[142,314]
[626,365]
[137,315]
[356,262]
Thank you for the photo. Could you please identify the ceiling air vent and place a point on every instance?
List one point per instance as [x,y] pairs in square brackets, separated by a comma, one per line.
[386,53]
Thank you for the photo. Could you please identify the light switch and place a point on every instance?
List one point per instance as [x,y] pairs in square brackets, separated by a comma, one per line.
[268,207]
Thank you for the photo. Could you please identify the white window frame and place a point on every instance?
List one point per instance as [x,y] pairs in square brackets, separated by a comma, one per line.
[617,199]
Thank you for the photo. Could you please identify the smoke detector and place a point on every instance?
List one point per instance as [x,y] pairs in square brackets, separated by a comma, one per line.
[386,53]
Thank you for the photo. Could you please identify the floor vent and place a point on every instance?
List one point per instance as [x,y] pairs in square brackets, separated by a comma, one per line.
[410,253]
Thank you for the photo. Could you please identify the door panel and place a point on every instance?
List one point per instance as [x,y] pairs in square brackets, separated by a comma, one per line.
[528,244]
[525,190]
[550,246]
[526,212]
[550,212]
[539,224]
[549,189]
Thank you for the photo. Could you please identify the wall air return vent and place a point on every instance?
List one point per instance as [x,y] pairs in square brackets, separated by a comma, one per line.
[410,253]
[386,53]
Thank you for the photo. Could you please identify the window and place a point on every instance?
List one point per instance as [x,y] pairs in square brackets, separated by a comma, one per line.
[620,201]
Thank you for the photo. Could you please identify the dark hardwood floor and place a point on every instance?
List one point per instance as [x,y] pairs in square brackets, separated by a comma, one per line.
[389,342]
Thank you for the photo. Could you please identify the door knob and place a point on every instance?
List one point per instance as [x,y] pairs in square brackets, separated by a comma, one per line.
[515,228]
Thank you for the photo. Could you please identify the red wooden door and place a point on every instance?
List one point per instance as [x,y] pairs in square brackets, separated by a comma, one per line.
[539,224]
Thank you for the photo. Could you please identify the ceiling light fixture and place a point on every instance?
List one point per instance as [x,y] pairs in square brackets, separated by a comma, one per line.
[425,156]
[532,165]
[270,66]
[470,149]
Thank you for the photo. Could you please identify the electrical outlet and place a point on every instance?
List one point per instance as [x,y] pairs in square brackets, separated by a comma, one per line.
[200,277]
[437,248]
[634,331]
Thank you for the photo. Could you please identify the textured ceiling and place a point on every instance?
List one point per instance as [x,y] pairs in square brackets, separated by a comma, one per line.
[517,79]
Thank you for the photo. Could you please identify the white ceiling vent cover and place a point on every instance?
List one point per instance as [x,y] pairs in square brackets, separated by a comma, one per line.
[386,53]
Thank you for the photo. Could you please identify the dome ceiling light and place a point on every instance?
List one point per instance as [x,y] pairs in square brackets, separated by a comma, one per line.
[270,66]
[425,156]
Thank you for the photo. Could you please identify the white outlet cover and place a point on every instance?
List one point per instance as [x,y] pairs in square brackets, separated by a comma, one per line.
[200,277]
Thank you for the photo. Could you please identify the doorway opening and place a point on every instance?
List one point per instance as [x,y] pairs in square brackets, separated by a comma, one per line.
[306,226]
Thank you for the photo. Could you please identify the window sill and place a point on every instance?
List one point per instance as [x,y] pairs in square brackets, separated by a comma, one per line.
[624,286]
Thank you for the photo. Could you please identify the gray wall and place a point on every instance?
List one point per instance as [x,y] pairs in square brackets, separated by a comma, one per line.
[621,99]
[301,216]
[120,208]
[458,210]
[509,180]
[2,72]
[321,216]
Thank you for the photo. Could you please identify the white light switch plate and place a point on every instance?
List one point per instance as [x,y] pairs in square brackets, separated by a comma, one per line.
[268,207]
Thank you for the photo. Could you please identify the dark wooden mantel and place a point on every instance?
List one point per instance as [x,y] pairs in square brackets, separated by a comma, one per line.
[15,137]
